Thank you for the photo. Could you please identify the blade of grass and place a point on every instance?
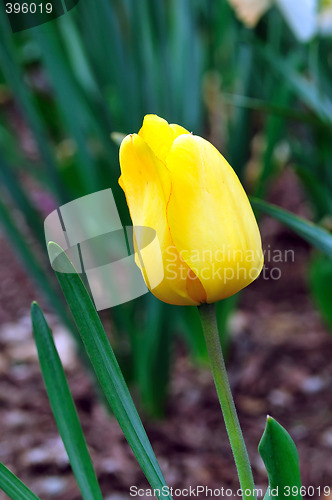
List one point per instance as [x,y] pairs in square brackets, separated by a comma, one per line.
[154,356]
[19,197]
[70,100]
[320,276]
[185,64]
[274,130]
[39,276]
[317,190]
[144,54]
[63,407]
[107,368]
[312,233]
[13,75]
[78,61]
[83,80]
[17,160]
[189,327]
[13,487]
[240,129]
[110,57]
[33,267]
[307,91]
[270,108]
[162,59]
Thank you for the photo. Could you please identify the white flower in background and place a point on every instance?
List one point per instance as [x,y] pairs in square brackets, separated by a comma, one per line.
[250,11]
[324,18]
[301,15]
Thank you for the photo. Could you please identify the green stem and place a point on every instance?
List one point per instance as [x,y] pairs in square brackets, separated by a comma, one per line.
[209,323]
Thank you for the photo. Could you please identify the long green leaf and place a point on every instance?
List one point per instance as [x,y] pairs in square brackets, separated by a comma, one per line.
[317,189]
[281,460]
[153,358]
[13,487]
[303,88]
[63,407]
[269,108]
[320,275]
[312,233]
[71,103]
[31,264]
[240,130]
[11,70]
[274,130]
[20,198]
[107,368]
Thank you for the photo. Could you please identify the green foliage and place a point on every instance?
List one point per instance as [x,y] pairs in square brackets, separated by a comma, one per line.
[320,277]
[106,367]
[281,460]
[13,487]
[97,71]
[63,407]
[313,234]
[30,261]
[61,401]
[104,69]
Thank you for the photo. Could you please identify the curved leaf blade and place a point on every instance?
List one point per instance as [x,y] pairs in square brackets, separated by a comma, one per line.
[320,277]
[281,460]
[107,369]
[313,234]
[63,407]
[13,487]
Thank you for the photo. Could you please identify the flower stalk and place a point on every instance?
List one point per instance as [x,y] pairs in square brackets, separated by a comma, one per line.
[210,329]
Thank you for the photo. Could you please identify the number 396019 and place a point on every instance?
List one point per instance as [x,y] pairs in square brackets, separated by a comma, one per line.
[28,8]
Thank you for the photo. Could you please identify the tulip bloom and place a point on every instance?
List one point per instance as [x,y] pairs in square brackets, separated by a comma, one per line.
[179,185]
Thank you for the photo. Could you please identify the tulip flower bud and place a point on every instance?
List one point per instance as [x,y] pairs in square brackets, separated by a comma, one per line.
[179,185]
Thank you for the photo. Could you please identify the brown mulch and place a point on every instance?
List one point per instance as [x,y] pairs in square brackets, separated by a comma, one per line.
[279,364]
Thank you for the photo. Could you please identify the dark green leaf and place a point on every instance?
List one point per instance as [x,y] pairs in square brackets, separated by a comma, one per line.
[63,407]
[240,132]
[9,179]
[318,191]
[13,487]
[12,72]
[281,460]
[312,233]
[154,356]
[269,108]
[320,281]
[107,368]
[31,264]
[308,91]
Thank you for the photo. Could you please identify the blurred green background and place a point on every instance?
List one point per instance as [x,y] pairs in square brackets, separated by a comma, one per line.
[261,96]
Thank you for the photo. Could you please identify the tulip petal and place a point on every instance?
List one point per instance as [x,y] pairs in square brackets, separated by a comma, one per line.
[146,183]
[178,130]
[210,219]
[159,135]
[195,288]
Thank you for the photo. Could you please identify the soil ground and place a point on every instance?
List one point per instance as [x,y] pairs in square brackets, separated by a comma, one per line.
[279,364]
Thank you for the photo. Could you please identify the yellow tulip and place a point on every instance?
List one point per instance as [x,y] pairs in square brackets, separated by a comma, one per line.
[179,185]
